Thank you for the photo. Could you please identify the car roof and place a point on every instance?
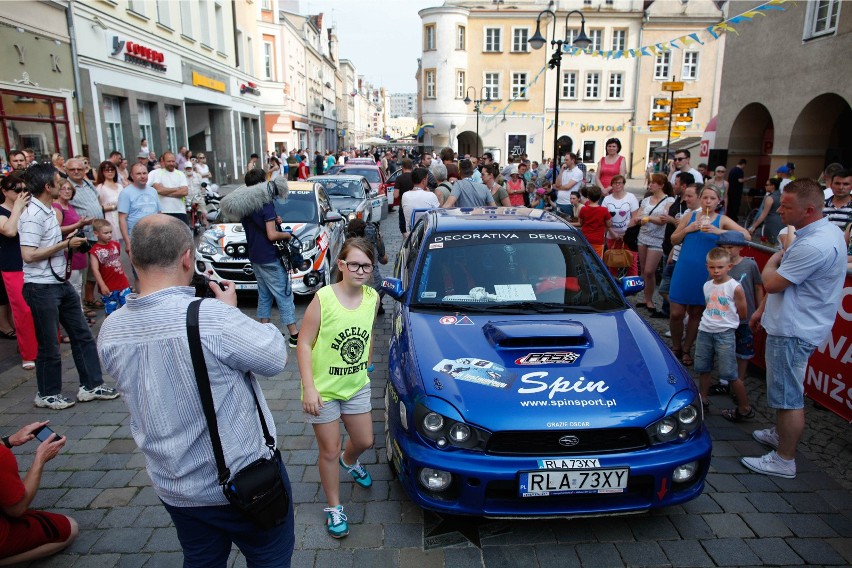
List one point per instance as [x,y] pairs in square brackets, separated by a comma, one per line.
[344,177]
[496,218]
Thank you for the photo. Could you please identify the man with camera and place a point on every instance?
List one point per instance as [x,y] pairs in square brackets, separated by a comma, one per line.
[253,206]
[144,346]
[51,297]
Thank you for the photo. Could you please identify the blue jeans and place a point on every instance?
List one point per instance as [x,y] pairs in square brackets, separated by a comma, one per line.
[272,283]
[52,304]
[207,533]
[786,364]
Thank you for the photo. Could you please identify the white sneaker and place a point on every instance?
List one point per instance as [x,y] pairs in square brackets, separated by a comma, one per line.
[100,392]
[54,401]
[771,464]
[768,437]
[668,333]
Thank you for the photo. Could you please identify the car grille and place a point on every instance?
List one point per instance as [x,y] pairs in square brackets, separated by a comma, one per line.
[234,272]
[542,443]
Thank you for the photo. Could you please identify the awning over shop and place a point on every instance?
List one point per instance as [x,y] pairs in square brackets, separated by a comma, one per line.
[684,144]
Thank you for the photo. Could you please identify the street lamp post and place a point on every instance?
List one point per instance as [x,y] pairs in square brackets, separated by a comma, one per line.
[476,109]
[537,41]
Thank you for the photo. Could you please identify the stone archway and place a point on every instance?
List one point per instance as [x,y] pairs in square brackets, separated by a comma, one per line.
[467,144]
[565,144]
[820,134]
[753,138]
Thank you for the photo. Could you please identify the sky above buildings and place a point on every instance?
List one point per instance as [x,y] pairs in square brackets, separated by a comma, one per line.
[381,37]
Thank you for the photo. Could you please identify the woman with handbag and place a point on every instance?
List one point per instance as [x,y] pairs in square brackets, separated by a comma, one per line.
[334,353]
[621,205]
[699,232]
[649,217]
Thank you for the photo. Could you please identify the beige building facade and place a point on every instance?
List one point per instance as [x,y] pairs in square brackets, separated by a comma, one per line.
[481,51]
[786,91]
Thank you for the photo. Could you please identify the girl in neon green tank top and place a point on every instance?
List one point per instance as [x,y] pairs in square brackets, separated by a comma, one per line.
[334,354]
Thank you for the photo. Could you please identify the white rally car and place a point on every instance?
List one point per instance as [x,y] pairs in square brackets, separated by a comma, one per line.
[307,212]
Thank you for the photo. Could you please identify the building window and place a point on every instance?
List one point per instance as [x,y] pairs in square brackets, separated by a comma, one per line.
[204,20]
[569,84]
[597,39]
[821,18]
[588,152]
[429,79]
[491,83]
[145,129]
[593,85]
[268,61]
[492,40]
[519,85]
[571,35]
[137,6]
[662,65]
[112,121]
[429,37]
[655,107]
[616,86]
[220,27]
[163,16]
[519,40]
[171,128]
[690,65]
[460,84]
[266,5]
[619,40]
[461,39]
[250,53]
[186,18]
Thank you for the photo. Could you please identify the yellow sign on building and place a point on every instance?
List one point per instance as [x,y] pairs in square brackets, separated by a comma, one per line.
[200,80]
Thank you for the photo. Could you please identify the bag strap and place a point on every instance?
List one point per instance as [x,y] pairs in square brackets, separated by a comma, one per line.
[202,379]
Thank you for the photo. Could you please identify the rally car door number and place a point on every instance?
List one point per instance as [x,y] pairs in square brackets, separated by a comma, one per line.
[560,482]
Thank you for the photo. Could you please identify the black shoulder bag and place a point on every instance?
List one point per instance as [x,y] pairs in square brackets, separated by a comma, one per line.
[257,490]
[631,236]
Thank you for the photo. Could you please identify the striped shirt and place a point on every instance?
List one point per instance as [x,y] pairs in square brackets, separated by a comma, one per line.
[144,347]
[840,215]
[87,204]
[38,228]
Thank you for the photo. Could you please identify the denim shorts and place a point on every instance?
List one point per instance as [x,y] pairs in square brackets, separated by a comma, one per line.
[665,283]
[332,409]
[722,345]
[745,342]
[786,364]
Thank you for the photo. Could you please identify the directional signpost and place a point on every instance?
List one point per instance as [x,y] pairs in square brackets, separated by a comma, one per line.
[678,112]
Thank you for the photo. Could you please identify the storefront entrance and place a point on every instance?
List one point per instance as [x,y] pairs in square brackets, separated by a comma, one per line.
[34,121]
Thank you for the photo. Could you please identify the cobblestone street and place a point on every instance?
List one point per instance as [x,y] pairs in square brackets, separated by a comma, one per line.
[742,519]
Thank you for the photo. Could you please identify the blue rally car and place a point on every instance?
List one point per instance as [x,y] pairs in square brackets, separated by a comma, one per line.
[521,381]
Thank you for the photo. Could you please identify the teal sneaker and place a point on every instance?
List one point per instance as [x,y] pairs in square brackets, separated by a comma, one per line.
[358,473]
[335,521]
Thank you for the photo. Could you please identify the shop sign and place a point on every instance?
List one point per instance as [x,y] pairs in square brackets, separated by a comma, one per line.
[250,88]
[517,144]
[138,54]
[300,125]
[200,80]
[318,129]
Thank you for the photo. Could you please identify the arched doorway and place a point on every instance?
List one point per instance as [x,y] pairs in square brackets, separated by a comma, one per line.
[753,137]
[467,144]
[564,145]
[821,135]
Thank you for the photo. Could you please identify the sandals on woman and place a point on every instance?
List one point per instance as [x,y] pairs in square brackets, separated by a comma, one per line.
[90,313]
[734,414]
[686,359]
[94,304]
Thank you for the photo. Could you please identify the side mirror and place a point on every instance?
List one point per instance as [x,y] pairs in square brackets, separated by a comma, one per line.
[393,287]
[334,217]
[632,285]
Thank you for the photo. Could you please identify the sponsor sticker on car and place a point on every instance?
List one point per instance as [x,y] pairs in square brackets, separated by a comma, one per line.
[478,371]
[548,358]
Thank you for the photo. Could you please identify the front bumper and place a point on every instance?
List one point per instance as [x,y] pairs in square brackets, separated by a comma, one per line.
[240,272]
[487,485]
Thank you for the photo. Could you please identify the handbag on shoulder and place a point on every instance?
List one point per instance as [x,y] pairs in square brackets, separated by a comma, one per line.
[257,490]
[618,257]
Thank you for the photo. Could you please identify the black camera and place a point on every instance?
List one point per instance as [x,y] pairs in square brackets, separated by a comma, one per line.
[202,286]
[86,246]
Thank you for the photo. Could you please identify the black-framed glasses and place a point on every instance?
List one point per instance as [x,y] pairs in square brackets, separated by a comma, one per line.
[19,188]
[679,159]
[355,266]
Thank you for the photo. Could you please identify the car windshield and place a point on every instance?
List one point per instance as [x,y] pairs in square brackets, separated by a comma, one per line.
[343,188]
[372,174]
[514,271]
[297,207]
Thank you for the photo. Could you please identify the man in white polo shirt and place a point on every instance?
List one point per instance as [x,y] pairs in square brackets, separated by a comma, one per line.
[172,186]
[51,297]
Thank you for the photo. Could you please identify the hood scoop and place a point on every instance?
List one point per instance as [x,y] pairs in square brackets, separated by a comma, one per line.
[529,334]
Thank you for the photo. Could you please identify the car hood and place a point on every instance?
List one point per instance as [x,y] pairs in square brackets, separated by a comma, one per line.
[234,232]
[348,203]
[532,372]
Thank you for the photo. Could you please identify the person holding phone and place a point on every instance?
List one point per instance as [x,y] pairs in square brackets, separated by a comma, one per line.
[27,534]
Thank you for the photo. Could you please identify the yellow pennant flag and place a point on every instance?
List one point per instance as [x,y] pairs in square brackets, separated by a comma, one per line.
[725,27]
[686,41]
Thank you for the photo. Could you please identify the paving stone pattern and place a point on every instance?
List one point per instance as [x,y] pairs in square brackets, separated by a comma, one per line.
[742,519]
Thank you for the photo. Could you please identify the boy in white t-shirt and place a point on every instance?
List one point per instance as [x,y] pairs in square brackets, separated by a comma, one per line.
[725,308]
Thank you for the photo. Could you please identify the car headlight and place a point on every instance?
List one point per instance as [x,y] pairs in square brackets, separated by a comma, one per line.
[237,250]
[207,247]
[351,216]
[308,244]
[446,432]
[678,425]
